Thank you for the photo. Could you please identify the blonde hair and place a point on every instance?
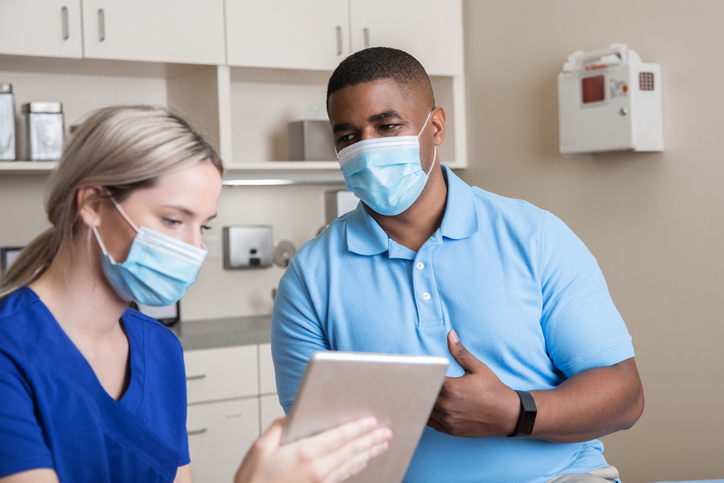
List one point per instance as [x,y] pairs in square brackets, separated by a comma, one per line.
[121,148]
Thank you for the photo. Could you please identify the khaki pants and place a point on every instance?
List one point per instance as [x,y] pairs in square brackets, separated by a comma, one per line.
[601,475]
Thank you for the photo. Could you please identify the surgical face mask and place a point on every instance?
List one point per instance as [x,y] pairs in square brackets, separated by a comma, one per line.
[386,172]
[158,269]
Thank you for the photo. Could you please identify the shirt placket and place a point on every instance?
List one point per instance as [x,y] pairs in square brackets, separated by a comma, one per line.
[427,299]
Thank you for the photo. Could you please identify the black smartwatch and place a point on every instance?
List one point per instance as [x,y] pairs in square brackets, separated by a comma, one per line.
[526,420]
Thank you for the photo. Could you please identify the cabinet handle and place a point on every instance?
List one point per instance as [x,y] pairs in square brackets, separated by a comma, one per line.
[366,33]
[64,15]
[339,40]
[195,378]
[196,431]
[101,25]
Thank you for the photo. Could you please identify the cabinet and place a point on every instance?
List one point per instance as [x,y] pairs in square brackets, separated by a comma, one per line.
[232,399]
[183,31]
[294,34]
[278,58]
[430,30]
[50,28]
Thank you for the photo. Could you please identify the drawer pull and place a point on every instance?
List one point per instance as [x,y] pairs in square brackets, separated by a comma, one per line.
[197,431]
[195,378]
[339,40]
[101,25]
[64,16]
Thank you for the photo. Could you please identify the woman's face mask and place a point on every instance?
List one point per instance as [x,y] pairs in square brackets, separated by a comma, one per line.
[158,269]
[386,173]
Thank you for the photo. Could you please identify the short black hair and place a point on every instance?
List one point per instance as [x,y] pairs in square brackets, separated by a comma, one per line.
[377,63]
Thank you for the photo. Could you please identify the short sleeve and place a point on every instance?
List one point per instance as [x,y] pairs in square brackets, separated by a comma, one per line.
[22,446]
[296,335]
[582,327]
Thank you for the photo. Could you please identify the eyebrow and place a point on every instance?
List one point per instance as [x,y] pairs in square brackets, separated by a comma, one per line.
[345,126]
[188,212]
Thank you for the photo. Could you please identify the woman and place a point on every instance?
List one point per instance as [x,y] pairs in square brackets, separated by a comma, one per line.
[91,390]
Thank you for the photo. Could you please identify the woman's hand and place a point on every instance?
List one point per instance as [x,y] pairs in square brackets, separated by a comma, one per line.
[328,457]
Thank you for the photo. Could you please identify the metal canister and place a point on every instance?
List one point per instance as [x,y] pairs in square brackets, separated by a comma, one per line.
[7,123]
[44,130]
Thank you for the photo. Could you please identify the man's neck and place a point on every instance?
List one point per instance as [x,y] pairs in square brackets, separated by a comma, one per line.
[419,222]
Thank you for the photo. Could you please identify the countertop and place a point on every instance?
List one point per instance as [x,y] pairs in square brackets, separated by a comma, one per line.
[226,332]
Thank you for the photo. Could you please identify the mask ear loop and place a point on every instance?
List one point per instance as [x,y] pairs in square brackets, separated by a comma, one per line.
[434,155]
[120,210]
[428,118]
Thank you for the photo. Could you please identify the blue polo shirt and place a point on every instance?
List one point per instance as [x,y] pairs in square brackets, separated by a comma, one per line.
[54,413]
[522,292]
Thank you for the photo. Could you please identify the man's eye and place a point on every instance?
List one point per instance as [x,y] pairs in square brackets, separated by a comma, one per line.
[387,126]
[345,138]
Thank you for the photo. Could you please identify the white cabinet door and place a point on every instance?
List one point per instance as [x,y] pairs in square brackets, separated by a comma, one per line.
[220,433]
[223,373]
[48,28]
[180,31]
[430,30]
[270,410]
[287,33]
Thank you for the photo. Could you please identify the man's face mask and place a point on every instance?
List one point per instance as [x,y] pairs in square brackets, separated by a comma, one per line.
[386,173]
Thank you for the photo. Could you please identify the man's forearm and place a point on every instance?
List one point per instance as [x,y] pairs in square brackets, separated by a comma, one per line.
[591,404]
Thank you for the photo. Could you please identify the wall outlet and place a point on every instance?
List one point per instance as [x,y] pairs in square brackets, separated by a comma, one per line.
[247,247]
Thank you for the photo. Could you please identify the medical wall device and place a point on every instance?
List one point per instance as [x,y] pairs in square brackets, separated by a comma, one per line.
[247,247]
[608,100]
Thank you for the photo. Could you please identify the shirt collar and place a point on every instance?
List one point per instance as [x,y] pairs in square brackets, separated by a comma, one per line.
[461,217]
[366,237]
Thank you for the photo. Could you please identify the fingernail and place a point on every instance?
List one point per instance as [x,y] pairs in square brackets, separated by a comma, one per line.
[454,337]
[384,433]
[380,448]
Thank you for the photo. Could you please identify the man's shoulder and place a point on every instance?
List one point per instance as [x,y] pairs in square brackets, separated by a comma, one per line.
[505,205]
[329,243]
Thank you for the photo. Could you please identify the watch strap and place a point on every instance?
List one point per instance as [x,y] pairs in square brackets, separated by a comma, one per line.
[528,412]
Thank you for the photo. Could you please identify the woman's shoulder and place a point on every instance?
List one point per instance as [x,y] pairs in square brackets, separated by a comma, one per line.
[17,310]
[158,335]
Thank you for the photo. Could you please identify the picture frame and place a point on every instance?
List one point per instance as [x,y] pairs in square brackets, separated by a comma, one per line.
[8,256]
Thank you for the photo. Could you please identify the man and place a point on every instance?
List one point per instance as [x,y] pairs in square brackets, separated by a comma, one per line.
[428,265]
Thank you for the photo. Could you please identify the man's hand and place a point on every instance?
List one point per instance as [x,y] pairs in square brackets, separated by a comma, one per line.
[474,405]
[588,405]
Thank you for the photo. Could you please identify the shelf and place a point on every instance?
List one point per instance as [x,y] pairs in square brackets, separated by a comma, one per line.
[273,173]
[27,167]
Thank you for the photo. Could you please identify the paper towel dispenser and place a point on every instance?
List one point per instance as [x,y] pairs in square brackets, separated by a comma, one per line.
[247,246]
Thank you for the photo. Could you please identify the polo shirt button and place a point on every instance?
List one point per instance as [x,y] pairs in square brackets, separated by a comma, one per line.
[426,296]
[420,265]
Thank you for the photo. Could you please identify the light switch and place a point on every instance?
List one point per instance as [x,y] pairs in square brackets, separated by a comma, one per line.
[247,247]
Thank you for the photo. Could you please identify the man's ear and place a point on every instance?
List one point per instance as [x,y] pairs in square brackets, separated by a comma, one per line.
[91,202]
[438,124]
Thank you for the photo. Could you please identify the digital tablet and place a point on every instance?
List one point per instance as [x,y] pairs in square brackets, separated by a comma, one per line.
[399,390]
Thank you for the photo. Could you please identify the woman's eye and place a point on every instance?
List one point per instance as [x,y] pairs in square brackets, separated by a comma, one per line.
[205,227]
[171,222]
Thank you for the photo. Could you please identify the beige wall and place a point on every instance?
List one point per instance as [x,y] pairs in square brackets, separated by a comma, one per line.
[654,221]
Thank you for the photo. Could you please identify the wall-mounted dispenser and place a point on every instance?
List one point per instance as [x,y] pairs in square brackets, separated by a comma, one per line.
[247,246]
[608,100]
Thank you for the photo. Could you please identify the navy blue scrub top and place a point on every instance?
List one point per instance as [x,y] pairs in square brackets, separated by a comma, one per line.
[54,413]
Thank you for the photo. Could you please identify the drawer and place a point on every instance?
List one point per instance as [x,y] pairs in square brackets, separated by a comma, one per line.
[270,409]
[220,433]
[225,373]
[267,381]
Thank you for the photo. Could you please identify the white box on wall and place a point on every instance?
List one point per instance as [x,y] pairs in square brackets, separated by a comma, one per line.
[609,100]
